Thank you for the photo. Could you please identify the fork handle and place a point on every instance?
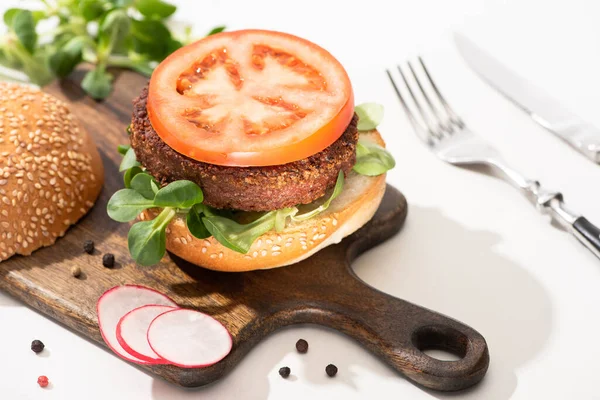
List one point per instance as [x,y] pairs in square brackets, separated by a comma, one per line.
[588,234]
[552,203]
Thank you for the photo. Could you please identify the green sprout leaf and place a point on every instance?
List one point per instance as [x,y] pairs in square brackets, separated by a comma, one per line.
[372,159]
[235,236]
[126,204]
[147,239]
[23,24]
[281,217]
[155,8]
[179,194]
[129,161]
[369,116]
[91,9]
[114,30]
[151,38]
[97,83]
[64,61]
[129,34]
[337,189]
[142,183]
[215,30]
[9,15]
[130,174]
[122,148]
[194,222]
[154,186]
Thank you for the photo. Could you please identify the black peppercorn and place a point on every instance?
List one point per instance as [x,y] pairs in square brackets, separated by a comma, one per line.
[108,260]
[284,372]
[302,346]
[88,246]
[37,346]
[331,370]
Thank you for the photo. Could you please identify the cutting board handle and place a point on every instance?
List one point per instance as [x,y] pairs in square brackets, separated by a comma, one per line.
[393,329]
[405,330]
[398,332]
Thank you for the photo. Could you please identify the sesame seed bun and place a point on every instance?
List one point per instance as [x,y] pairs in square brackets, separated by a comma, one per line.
[50,170]
[353,208]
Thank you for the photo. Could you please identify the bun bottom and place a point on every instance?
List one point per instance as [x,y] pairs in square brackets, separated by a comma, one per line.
[353,208]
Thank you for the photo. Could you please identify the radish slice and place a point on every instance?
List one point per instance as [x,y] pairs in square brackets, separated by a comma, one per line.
[132,332]
[189,339]
[117,302]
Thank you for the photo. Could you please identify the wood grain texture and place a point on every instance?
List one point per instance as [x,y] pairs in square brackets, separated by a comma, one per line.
[322,289]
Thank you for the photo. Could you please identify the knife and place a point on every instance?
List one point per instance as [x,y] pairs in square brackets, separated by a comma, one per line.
[544,110]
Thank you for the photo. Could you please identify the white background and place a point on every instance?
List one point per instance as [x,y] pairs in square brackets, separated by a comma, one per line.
[472,247]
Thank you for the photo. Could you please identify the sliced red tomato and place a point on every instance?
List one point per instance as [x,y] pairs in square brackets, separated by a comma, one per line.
[250,98]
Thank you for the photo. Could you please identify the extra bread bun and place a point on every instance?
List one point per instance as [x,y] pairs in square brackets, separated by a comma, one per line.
[50,170]
[353,208]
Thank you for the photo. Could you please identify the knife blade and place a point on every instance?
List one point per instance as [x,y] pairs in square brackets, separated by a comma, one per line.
[545,110]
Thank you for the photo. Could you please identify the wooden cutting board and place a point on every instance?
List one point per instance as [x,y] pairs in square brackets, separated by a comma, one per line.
[322,289]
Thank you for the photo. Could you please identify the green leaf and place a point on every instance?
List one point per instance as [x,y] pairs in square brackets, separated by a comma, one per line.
[123,148]
[142,183]
[9,15]
[126,204]
[155,8]
[91,9]
[97,83]
[369,115]
[23,24]
[130,174]
[150,38]
[194,223]
[216,29]
[173,45]
[147,239]
[129,161]
[114,31]
[38,15]
[235,236]
[281,217]
[337,189]
[179,194]
[64,61]
[122,3]
[11,12]
[154,186]
[372,159]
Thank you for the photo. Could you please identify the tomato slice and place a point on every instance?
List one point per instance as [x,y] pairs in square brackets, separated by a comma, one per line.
[250,98]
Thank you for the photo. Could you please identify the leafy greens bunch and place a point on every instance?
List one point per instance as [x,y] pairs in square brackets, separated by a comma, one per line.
[106,33]
[147,239]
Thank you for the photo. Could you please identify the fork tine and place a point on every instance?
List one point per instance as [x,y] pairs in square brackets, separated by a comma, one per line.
[453,116]
[430,129]
[407,110]
[442,121]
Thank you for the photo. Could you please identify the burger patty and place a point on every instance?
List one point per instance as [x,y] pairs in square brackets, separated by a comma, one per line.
[244,188]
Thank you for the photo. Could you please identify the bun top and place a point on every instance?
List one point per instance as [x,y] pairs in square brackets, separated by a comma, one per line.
[50,170]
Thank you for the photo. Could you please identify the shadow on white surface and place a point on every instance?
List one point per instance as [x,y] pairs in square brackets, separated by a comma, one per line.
[440,264]
[256,377]
[434,262]
[7,301]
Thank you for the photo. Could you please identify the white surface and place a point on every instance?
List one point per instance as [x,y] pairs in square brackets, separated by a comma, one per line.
[471,248]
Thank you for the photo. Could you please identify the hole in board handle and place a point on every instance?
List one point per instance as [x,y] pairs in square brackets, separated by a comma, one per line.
[441,342]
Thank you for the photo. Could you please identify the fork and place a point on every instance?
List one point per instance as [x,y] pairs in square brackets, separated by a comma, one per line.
[448,137]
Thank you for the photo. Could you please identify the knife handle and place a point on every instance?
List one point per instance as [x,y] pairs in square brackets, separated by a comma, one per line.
[584,137]
[588,234]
